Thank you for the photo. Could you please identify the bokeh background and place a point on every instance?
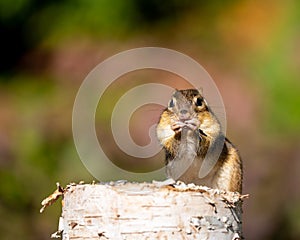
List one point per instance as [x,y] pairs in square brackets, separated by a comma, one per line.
[250,48]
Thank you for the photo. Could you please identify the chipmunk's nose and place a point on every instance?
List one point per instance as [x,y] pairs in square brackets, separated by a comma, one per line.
[183,111]
[184,114]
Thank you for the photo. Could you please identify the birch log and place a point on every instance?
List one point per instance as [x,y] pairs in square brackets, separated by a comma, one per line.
[122,210]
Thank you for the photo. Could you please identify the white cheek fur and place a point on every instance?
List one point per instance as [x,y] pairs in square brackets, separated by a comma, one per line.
[210,129]
[164,134]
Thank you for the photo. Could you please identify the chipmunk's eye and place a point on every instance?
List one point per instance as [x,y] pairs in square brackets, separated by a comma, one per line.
[199,102]
[171,103]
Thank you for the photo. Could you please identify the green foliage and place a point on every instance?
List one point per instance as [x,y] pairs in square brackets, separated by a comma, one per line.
[11,9]
[68,19]
[279,78]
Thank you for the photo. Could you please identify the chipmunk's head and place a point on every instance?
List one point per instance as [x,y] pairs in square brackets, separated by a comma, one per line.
[185,104]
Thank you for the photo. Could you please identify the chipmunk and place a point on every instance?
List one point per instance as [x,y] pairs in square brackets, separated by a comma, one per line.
[187,129]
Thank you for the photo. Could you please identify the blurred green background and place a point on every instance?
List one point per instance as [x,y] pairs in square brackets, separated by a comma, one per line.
[250,48]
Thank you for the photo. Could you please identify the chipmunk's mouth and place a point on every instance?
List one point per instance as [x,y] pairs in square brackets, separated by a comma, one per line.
[184,114]
[184,119]
[191,123]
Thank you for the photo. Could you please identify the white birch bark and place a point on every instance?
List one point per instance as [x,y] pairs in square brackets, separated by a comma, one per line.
[121,210]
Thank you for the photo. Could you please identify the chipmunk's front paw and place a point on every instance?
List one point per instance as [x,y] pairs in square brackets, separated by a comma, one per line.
[177,126]
[192,124]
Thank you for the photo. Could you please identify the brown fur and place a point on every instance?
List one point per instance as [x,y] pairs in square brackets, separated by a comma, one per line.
[227,172]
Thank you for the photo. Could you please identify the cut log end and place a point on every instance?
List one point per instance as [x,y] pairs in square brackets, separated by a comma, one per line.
[122,210]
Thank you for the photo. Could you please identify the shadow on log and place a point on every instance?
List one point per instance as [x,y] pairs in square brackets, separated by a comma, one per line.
[123,210]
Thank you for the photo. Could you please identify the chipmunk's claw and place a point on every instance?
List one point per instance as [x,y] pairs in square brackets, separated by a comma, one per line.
[177,126]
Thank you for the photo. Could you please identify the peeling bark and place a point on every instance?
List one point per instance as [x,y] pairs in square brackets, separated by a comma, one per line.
[121,210]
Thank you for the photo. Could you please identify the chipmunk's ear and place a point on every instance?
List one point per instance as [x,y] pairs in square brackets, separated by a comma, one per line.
[175,91]
[200,90]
